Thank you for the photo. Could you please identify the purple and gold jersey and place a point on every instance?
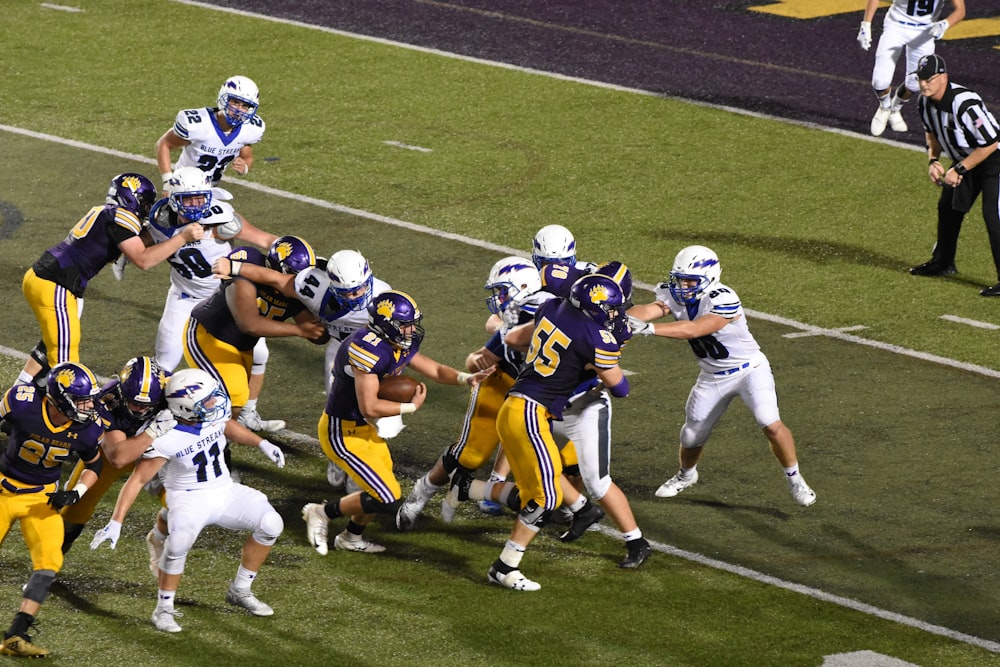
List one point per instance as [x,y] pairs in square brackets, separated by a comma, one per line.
[558,278]
[90,244]
[564,341]
[213,313]
[36,448]
[367,352]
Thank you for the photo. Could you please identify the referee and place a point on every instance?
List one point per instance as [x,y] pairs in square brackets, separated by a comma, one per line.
[958,125]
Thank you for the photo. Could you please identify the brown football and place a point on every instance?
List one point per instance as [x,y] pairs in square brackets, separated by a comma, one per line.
[399,388]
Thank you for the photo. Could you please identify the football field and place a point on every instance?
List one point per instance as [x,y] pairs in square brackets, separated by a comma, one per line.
[435,166]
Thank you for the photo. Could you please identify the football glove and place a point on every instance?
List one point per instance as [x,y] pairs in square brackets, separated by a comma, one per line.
[639,327]
[118,268]
[60,499]
[110,533]
[938,29]
[273,452]
[865,35]
[162,424]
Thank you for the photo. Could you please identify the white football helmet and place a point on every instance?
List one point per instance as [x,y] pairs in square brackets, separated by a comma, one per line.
[349,272]
[512,280]
[553,244]
[195,396]
[697,263]
[188,182]
[243,89]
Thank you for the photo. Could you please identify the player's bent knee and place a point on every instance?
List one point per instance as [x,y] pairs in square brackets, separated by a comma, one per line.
[271,525]
[691,437]
[38,585]
[449,461]
[372,505]
[597,487]
[533,516]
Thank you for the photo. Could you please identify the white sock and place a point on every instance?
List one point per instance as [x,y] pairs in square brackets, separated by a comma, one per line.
[244,578]
[165,599]
[578,505]
[250,405]
[632,535]
[512,554]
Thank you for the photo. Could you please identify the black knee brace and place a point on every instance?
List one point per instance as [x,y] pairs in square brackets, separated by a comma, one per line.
[372,505]
[39,585]
[533,515]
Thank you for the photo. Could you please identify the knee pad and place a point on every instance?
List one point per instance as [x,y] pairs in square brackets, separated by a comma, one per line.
[40,354]
[597,486]
[514,499]
[175,550]
[38,585]
[533,516]
[269,528]
[572,470]
[260,357]
[371,505]
[690,437]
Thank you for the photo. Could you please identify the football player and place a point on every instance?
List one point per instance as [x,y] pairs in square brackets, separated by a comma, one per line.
[215,138]
[191,279]
[709,315]
[387,345]
[126,404]
[224,328]
[55,284]
[46,429]
[200,490]
[338,295]
[911,27]
[570,341]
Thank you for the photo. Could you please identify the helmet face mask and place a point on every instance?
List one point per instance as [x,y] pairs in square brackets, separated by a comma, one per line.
[194,396]
[74,389]
[351,279]
[133,192]
[553,244]
[190,193]
[511,281]
[698,265]
[141,387]
[395,317]
[290,254]
[601,299]
[238,100]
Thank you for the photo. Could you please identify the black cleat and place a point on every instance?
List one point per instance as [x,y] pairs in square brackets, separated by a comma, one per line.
[638,552]
[583,519]
[934,268]
[991,291]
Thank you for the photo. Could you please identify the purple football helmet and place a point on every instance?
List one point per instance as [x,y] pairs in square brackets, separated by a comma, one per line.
[394,316]
[72,386]
[600,298]
[133,192]
[291,254]
[620,273]
[142,383]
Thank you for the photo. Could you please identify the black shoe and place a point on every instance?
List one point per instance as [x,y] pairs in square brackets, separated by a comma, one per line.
[934,268]
[638,552]
[583,519]
[991,291]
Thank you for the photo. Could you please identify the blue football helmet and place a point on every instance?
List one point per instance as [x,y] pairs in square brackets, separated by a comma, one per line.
[511,281]
[696,263]
[601,299]
[290,254]
[244,90]
[133,192]
[188,183]
[190,394]
[348,271]
[394,316]
[72,386]
[142,384]
[553,244]
[620,273]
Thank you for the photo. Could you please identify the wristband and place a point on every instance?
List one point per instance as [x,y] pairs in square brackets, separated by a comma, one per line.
[464,378]
[407,408]
[166,176]
[933,160]
[234,267]
[960,169]
[80,488]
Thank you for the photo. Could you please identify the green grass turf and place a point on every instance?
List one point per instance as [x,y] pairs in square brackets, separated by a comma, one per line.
[810,226]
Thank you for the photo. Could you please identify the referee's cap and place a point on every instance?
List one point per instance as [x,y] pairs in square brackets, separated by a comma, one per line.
[929,66]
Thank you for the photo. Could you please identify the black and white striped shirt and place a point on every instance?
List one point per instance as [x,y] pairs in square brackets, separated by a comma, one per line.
[960,121]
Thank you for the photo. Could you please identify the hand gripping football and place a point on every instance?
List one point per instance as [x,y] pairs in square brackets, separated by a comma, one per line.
[399,388]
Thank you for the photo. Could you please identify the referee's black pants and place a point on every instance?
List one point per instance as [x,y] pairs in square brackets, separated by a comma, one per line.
[983,180]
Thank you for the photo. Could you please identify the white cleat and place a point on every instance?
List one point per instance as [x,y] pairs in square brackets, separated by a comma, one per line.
[155,550]
[409,511]
[335,475]
[514,580]
[251,419]
[879,121]
[165,620]
[449,505]
[347,542]
[896,122]
[317,525]
[676,484]
[248,601]
[802,493]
